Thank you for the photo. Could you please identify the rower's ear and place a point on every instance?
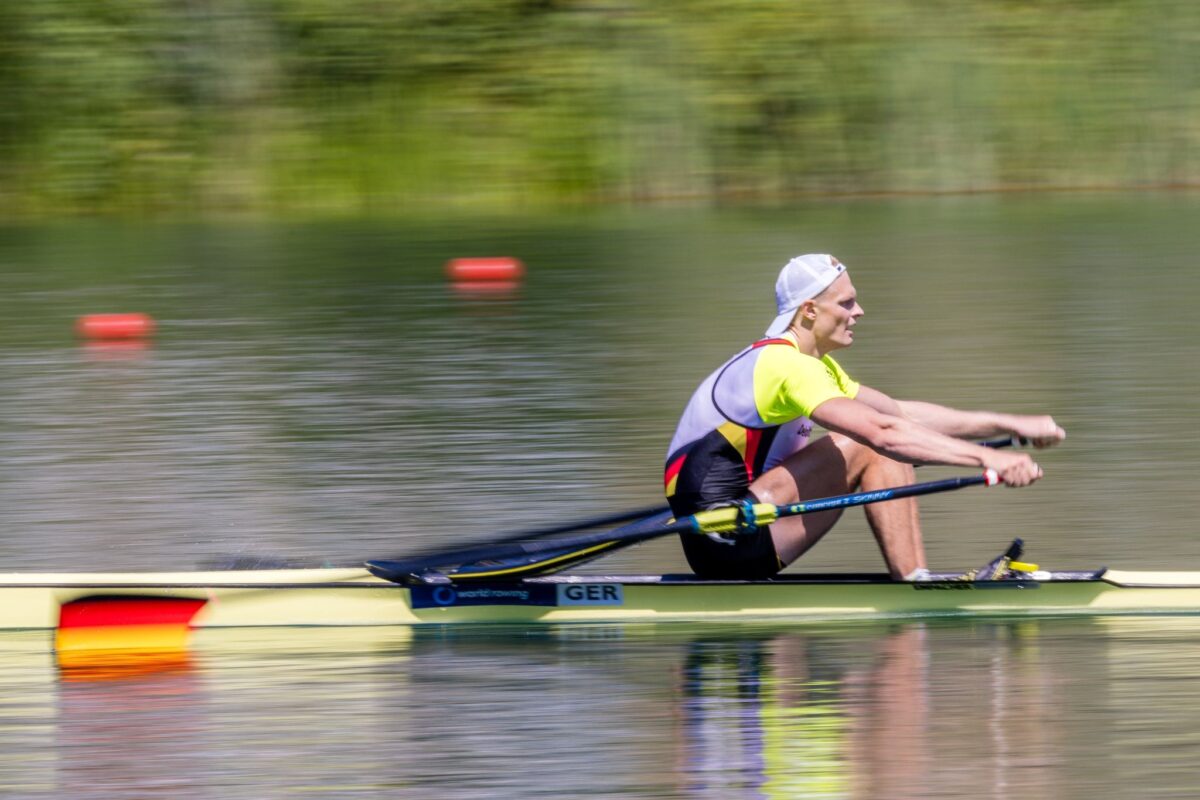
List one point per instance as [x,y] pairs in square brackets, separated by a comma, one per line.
[807,310]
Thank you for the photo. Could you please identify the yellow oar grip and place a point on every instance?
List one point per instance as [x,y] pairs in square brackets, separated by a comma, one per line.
[729,520]
[765,513]
[1021,566]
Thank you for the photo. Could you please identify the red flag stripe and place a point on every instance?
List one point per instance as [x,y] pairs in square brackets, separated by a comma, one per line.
[89,612]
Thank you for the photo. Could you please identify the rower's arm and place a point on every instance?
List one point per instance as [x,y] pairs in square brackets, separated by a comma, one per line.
[1041,430]
[894,434]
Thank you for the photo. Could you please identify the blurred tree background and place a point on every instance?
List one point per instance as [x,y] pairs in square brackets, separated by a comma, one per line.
[383,106]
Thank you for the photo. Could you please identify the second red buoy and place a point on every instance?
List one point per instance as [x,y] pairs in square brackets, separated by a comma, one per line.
[114,326]
[475,270]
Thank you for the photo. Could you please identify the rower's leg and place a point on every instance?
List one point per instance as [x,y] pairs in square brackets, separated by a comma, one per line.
[896,523]
[836,464]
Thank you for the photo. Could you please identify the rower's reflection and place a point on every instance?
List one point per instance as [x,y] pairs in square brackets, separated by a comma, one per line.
[808,715]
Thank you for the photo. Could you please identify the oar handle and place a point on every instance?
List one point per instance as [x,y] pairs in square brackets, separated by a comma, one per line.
[1007,441]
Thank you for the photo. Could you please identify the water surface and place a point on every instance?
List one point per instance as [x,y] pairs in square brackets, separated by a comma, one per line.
[1075,709]
[318,393]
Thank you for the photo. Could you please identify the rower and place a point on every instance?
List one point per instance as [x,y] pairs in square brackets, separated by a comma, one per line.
[744,437]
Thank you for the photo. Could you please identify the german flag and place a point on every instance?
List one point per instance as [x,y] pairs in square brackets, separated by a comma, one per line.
[89,626]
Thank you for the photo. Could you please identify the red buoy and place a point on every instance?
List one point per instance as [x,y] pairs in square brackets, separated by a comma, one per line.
[114,326]
[479,270]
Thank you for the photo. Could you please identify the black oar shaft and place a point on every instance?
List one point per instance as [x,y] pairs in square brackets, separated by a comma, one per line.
[631,534]
[537,533]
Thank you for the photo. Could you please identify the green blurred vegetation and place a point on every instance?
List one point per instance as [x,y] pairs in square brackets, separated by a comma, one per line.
[383,106]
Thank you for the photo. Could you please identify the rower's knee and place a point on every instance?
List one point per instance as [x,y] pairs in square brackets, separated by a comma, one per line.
[861,458]
[855,454]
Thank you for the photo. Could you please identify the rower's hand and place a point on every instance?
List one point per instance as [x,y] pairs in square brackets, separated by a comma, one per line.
[1039,431]
[1014,469]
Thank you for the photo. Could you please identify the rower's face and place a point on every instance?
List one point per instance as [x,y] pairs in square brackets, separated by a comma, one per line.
[837,312]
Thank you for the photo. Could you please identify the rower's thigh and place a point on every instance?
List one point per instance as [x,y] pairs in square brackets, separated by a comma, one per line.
[830,465]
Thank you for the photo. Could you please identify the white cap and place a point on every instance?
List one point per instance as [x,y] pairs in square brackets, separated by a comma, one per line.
[802,278]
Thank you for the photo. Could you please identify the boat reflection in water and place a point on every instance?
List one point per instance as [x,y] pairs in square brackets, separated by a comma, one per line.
[867,709]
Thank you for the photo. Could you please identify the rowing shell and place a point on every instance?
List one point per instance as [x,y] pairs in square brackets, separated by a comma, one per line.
[95,603]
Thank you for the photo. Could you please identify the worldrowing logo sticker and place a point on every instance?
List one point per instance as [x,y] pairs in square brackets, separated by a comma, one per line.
[446,596]
[482,595]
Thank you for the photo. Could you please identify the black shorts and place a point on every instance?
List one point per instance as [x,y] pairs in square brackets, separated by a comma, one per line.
[749,557]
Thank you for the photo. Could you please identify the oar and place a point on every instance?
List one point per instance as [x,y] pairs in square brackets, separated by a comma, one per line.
[638,513]
[649,511]
[645,513]
[727,520]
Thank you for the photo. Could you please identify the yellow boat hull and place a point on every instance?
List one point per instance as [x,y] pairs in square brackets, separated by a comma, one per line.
[353,597]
